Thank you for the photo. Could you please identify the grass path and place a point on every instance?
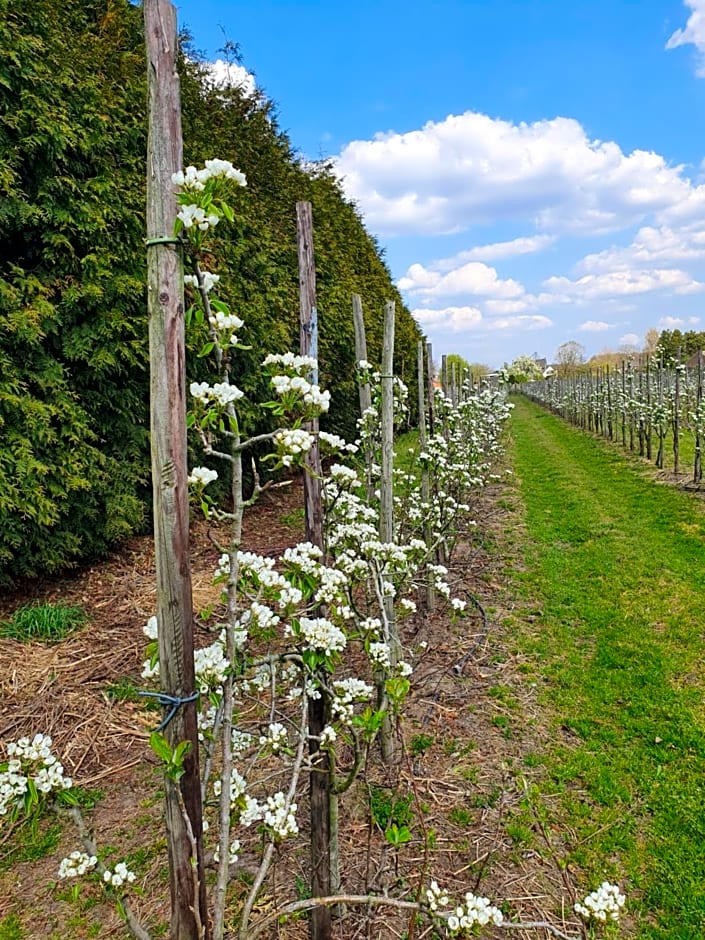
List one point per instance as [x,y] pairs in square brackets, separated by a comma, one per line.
[616,564]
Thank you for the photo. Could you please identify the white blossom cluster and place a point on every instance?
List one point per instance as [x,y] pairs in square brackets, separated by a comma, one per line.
[238,786]
[119,876]
[302,388]
[275,738]
[336,443]
[305,556]
[211,665]
[346,693]
[292,443]
[223,393]
[77,864]
[320,634]
[289,360]
[30,761]
[328,736]
[202,476]
[436,897]
[196,180]
[208,280]
[226,321]
[380,655]
[279,817]
[233,852]
[194,215]
[475,911]
[604,904]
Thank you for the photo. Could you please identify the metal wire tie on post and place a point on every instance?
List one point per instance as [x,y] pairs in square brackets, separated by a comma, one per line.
[173,700]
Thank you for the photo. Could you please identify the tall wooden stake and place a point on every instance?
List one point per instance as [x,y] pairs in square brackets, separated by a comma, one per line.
[364,387]
[425,483]
[183,810]
[320,923]
[431,405]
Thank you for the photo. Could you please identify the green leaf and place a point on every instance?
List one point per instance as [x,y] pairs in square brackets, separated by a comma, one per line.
[160,746]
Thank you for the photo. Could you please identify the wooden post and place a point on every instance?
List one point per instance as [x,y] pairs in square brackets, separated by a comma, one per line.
[677,417]
[364,387]
[624,405]
[319,787]
[649,440]
[698,460]
[165,298]
[386,522]
[425,482]
[431,406]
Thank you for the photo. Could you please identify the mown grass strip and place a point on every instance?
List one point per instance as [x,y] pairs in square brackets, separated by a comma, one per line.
[617,565]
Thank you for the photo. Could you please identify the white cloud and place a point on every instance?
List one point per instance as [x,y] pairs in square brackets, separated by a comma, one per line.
[675,323]
[471,279]
[692,34]
[454,319]
[520,323]
[594,326]
[651,245]
[498,250]
[624,282]
[630,339]
[508,306]
[461,319]
[470,169]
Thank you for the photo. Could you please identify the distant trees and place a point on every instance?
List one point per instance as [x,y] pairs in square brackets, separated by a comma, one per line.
[476,370]
[674,343]
[570,357]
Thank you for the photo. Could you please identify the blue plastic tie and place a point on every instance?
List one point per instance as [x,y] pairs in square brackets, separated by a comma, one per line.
[170,700]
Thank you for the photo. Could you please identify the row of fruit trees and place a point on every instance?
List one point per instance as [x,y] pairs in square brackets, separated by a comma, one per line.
[644,408]
[304,684]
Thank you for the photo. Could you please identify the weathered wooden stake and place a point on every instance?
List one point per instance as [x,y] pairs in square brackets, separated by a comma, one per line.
[677,417]
[183,810]
[319,787]
[425,482]
[431,405]
[364,387]
[698,459]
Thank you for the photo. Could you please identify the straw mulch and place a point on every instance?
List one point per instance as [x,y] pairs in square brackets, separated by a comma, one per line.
[463,783]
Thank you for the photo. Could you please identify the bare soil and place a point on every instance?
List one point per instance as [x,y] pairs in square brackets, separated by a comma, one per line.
[470,730]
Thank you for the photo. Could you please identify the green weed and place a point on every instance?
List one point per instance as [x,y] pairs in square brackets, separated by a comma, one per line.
[47,623]
[33,839]
[11,928]
[420,743]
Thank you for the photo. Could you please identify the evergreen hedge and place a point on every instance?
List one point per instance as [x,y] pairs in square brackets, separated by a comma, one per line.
[74,450]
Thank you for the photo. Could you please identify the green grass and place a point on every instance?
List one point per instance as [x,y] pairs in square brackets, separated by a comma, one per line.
[48,623]
[32,840]
[11,928]
[616,566]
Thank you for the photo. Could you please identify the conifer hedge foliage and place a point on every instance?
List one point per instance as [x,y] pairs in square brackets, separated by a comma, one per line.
[74,450]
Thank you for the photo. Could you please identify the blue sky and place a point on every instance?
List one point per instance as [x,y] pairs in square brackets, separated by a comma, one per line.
[533,169]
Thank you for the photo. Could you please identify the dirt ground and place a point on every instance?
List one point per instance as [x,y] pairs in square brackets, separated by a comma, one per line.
[471,730]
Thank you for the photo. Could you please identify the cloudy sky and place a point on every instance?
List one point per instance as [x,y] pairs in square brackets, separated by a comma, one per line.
[534,169]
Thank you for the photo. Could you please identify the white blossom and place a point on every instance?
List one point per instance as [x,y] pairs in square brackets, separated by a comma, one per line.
[604,904]
[202,476]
